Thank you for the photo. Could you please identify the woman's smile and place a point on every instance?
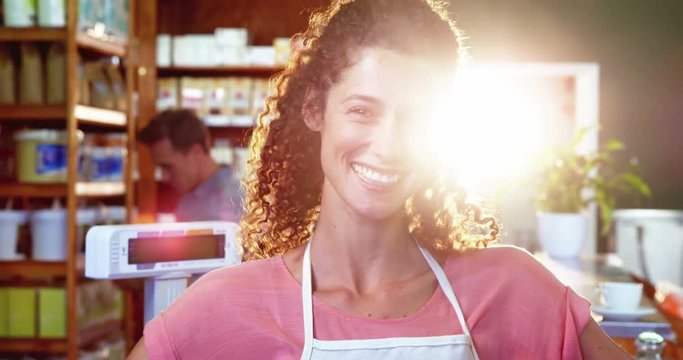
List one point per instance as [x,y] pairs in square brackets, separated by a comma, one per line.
[376,179]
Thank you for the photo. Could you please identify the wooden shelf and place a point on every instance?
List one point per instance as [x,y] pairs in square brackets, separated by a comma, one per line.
[254,71]
[30,268]
[85,189]
[100,189]
[109,46]
[33,345]
[32,190]
[87,336]
[33,112]
[96,116]
[32,34]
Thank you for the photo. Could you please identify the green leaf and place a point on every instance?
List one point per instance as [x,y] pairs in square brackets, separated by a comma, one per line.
[614,145]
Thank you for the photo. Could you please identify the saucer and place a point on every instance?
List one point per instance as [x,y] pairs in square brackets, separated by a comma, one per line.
[623,315]
[13,257]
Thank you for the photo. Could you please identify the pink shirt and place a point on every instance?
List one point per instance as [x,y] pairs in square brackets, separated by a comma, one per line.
[514,307]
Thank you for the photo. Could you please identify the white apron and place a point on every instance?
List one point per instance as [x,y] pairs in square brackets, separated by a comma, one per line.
[432,347]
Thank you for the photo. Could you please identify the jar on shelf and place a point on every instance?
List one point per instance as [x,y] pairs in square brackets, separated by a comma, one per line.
[48,229]
[42,155]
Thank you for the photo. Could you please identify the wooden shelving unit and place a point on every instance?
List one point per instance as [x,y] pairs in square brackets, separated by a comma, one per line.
[109,46]
[30,268]
[70,116]
[33,346]
[100,189]
[32,34]
[95,116]
[33,112]
[20,190]
[83,189]
[253,71]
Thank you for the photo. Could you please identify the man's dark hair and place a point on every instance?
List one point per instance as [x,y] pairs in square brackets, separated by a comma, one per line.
[181,127]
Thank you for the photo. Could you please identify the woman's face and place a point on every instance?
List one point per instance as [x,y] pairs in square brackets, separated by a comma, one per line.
[371,120]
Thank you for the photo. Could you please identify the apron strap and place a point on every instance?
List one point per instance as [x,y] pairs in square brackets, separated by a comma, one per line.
[446,288]
[307,300]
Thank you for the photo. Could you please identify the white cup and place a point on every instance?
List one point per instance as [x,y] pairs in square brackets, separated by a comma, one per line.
[623,296]
[51,13]
[48,228]
[10,220]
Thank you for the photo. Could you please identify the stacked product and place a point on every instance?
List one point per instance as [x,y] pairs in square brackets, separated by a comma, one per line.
[30,312]
[231,101]
[225,47]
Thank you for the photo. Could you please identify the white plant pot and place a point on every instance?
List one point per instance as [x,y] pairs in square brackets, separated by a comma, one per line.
[562,235]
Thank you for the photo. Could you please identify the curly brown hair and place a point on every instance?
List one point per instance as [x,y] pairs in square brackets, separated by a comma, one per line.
[284,176]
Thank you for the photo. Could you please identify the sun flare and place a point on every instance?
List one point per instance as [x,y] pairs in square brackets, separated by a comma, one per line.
[496,125]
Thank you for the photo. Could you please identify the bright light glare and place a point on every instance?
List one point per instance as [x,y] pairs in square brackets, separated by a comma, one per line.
[500,125]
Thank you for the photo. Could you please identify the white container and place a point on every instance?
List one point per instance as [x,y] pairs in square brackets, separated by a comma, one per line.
[42,155]
[111,215]
[164,50]
[10,221]
[562,235]
[661,235]
[48,228]
[51,13]
[19,13]
[260,55]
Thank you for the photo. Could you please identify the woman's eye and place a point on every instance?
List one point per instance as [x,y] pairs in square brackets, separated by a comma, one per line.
[360,112]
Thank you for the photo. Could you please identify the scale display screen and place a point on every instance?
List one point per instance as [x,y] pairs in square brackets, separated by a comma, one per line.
[175,248]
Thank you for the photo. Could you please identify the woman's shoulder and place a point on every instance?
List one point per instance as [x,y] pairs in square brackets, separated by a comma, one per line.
[494,256]
[247,277]
[501,266]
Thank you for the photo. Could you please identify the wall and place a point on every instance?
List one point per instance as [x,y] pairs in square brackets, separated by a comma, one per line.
[639,46]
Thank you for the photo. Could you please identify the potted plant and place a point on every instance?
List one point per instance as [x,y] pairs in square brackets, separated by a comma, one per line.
[568,181]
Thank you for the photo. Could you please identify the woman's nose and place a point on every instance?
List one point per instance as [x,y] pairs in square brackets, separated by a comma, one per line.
[389,138]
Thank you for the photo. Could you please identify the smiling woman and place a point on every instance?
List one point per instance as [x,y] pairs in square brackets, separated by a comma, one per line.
[359,248]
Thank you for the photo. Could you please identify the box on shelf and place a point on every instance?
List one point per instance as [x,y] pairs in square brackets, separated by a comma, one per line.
[195,50]
[260,92]
[167,97]
[21,310]
[164,50]
[31,79]
[56,74]
[51,313]
[260,56]
[7,74]
[4,312]
[282,50]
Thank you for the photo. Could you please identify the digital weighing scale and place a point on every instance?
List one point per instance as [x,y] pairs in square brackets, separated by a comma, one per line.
[166,255]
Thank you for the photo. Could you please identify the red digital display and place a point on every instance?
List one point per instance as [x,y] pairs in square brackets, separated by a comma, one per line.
[175,248]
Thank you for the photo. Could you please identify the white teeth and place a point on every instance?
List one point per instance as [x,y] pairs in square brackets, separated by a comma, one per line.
[374,176]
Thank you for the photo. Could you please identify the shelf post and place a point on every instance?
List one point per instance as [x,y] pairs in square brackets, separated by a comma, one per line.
[72,178]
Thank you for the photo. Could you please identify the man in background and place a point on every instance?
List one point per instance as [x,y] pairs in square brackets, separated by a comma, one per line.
[179,143]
